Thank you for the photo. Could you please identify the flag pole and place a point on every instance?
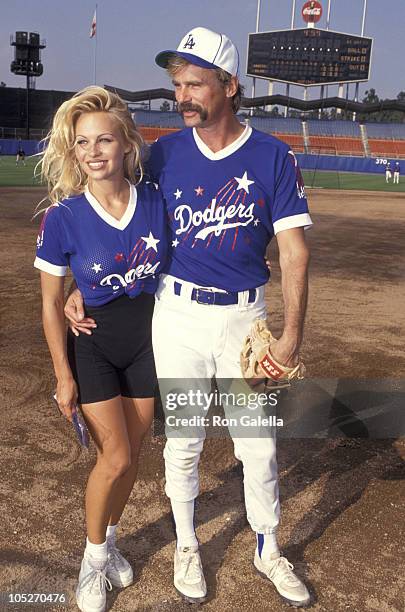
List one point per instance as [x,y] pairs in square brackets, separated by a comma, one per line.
[95,51]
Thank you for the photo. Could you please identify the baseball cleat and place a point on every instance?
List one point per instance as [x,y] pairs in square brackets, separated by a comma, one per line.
[91,590]
[189,578]
[288,585]
[118,570]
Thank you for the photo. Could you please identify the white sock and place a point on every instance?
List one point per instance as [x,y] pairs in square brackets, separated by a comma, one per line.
[97,551]
[183,513]
[267,546]
[110,534]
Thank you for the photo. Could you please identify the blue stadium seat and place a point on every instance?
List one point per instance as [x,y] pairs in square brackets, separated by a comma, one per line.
[394,131]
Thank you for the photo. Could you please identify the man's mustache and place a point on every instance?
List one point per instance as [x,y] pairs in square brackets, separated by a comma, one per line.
[187,107]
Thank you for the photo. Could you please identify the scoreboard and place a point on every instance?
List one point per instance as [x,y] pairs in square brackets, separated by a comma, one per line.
[309,56]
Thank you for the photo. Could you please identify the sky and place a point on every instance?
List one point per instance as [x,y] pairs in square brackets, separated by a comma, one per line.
[131,32]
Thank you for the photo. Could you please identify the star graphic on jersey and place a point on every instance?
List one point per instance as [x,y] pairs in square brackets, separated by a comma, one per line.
[175,243]
[178,193]
[243,183]
[151,242]
[199,191]
[256,222]
[119,257]
[96,267]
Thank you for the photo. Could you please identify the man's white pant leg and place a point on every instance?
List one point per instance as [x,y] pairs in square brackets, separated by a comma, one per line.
[180,364]
[182,456]
[260,481]
[254,446]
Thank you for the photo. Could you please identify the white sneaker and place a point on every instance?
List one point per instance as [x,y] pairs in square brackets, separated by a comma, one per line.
[188,574]
[91,590]
[118,570]
[288,585]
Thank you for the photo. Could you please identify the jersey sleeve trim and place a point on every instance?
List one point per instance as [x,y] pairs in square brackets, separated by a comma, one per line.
[46,266]
[302,220]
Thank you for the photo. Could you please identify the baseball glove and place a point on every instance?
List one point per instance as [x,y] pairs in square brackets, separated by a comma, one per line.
[258,364]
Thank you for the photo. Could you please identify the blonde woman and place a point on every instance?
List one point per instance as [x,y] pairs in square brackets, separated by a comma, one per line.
[108,226]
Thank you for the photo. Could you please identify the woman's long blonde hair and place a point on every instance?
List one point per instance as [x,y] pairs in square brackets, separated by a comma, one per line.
[59,167]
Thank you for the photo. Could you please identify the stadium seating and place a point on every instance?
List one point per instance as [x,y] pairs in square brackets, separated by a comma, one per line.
[400,145]
[386,131]
[295,141]
[277,125]
[338,145]
[333,128]
[158,119]
[386,148]
[322,144]
[150,134]
[336,137]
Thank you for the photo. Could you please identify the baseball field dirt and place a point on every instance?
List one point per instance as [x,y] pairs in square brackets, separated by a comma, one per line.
[342,498]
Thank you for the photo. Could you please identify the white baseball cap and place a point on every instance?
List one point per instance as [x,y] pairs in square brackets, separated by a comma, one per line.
[206,49]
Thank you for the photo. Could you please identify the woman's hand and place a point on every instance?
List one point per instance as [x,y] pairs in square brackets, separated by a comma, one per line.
[74,312]
[66,397]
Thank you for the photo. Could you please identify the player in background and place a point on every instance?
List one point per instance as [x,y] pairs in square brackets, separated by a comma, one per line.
[388,174]
[397,169]
[108,226]
[229,190]
[20,157]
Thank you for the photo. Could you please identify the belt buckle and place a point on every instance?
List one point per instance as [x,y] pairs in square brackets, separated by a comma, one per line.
[197,296]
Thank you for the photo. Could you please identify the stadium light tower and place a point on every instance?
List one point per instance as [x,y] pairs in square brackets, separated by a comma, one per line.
[27,62]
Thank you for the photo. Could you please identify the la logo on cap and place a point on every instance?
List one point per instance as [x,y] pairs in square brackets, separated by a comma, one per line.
[189,44]
[204,48]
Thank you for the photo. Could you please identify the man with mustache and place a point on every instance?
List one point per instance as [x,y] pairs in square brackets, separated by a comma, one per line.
[228,189]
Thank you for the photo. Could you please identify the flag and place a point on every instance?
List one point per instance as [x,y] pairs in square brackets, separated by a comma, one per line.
[93,27]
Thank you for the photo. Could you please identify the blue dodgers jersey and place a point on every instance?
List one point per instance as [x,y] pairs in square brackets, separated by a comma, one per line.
[108,258]
[225,207]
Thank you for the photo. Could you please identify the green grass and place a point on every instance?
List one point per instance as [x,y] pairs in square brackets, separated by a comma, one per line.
[17,176]
[351,180]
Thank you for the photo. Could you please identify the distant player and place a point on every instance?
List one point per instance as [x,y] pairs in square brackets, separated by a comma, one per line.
[397,169]
[388,173]
[20,156]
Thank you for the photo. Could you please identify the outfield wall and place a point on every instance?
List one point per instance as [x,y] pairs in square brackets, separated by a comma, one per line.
[10,146]
[338,163]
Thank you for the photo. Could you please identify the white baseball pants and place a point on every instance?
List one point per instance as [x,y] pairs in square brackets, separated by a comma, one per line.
[197,341]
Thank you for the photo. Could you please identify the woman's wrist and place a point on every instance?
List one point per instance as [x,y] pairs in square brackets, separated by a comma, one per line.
[64,376]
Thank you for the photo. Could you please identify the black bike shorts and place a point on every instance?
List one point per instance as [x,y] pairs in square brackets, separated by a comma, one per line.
[117,359]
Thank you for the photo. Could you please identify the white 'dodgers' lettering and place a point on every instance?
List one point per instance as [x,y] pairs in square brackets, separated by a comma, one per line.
[217,216]
[141,271]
